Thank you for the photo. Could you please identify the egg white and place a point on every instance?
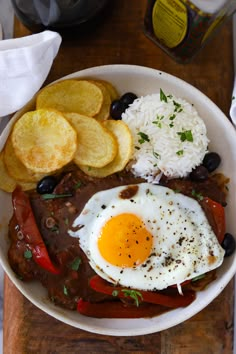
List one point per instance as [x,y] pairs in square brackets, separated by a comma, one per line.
[183,240]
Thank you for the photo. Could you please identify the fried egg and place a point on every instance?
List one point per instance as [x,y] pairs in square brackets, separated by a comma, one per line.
[146,237]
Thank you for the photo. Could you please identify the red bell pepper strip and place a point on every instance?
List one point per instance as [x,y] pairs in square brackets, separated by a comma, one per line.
[216,216]
[26,221]
[116,309]
[173,301]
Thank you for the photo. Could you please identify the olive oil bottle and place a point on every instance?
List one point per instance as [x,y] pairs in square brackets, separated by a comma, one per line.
[183,27]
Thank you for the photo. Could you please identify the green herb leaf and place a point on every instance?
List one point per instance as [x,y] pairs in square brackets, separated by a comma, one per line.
[144,137]
[189,136]
[156,155]
[163,96]
[172,117]
[76,263]
[55,196]
[137,147]
[115,292]
[28,254]
[199,277]
[78,185]
[55,228]
[178,107]
[65,291]
[199,196]
[180,152]
[186,135]
[177,190]
[134,294]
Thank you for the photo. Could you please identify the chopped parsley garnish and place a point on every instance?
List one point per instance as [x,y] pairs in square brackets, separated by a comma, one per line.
[199,196]
[55,228]
[178,107]
[55,196]
[180,152]
[163,96]
[199,277]
[186,135]
[233,98]
[134,294]
[76,263]
[177,190]
[172,117]
[78,185]
[157,122]
[115,292]
[144,137]
[137,147]
[65,291]
[171,125]
[156,155]
[28,254]
[66,221]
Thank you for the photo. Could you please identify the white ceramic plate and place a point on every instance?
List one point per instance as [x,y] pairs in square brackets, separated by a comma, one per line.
[222,135]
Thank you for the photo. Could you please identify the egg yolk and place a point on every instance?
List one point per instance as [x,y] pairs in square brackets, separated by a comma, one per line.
[124,241]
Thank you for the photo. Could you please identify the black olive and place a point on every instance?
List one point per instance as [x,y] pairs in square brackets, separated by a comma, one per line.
[199,174]
[211,161]
[128,98]
[228,244]
[46,185]
[117,108]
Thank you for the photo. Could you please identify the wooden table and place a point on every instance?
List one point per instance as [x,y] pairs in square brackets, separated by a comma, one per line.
[120,39]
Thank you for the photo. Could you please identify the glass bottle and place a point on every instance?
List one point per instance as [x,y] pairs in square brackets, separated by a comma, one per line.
[59,15]
[182,27]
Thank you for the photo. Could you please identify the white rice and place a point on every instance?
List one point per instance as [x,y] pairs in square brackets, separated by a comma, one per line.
[165,124]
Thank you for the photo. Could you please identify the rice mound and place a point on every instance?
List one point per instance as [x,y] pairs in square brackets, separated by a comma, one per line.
[169,136]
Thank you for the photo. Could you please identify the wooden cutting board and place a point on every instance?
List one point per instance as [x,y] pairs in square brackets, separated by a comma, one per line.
[119,39]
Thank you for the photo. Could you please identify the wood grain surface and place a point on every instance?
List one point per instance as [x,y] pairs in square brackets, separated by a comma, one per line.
[120,39]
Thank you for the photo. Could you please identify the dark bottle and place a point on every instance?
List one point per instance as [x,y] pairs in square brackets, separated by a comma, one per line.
[59,15]
[182,27]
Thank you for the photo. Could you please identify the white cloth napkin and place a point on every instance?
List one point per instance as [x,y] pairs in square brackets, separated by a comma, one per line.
[24,65]
[232,110]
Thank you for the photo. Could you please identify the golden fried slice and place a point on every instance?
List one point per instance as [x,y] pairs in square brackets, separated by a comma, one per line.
[15,167]
[7,183]
[96,145]
[27,186]
[124,138]
[44,140]
[80,96]
[105,109]
[111,89]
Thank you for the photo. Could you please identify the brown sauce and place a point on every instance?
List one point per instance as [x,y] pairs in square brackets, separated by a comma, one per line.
[55,217]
